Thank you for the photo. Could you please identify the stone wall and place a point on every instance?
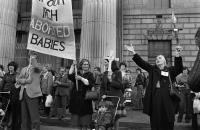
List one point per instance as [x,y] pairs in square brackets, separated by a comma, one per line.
[136,22]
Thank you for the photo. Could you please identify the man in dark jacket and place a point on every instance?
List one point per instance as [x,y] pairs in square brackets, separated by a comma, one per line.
[63,87]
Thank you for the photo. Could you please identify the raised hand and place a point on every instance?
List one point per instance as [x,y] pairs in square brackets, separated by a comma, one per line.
[130,48]
[178,50]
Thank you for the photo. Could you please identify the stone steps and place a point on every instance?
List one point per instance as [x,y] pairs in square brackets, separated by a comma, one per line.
[135,120]
[142,126]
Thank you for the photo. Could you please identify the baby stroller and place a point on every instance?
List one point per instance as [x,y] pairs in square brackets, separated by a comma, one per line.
[106,115]
[3,109]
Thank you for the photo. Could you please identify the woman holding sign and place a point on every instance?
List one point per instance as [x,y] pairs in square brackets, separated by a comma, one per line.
[81,108]
[157,101]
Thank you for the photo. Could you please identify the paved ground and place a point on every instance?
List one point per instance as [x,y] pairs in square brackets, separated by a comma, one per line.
[135,120]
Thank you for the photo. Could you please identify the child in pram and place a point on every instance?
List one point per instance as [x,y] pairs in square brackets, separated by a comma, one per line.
[106,114]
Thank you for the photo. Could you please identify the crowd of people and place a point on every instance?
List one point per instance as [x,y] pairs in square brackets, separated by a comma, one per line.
[29,88]
[25,93]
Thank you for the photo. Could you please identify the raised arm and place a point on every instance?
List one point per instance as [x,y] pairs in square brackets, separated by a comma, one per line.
[178,64]
[177,68]
[138,60]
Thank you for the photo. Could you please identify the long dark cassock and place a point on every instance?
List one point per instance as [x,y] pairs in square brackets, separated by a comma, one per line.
[157,101]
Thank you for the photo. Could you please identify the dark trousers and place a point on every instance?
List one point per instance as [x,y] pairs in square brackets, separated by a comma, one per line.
[13,114]
[60,104]
[61,101]
[16,115]
[195,122]
[185,105]
[30,113]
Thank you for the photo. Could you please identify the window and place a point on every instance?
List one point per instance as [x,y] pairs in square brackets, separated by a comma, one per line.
[159,47]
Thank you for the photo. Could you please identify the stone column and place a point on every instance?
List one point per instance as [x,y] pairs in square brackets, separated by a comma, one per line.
[98,34]
[8,22]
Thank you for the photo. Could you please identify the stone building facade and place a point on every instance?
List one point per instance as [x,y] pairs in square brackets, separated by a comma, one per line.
[147,25]
[144,23]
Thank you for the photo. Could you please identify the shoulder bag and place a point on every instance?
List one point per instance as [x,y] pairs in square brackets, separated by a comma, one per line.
[174,93]
[91,95]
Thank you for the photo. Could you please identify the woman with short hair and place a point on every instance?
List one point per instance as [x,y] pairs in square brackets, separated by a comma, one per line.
[13,114]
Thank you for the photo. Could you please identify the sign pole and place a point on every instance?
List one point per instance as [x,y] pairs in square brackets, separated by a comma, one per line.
[75,76]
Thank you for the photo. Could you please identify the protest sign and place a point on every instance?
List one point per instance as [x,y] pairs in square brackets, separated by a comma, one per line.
[51,28]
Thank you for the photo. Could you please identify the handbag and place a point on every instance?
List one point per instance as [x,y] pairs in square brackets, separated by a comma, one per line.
[91,95]
[49,101]
[174,93]
[196,105]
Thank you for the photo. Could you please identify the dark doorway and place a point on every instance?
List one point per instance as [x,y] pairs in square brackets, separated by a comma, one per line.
[159,47]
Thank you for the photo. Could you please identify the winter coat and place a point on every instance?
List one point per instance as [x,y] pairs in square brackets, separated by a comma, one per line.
[78,104]
[154,77]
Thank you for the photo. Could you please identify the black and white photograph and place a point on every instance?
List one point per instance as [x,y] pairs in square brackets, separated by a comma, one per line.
[99,65]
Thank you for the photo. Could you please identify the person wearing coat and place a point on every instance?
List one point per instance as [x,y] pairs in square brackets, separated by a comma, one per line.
[46,86]
[157,101]
[62,94]
[13,112]
[139,84]
[115,82]
[30,91]
[104,83]
[81,108]
[112,85]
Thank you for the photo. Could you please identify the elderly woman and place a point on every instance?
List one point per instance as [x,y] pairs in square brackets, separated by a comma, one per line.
[79,107]
[157,101]
[13,116]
